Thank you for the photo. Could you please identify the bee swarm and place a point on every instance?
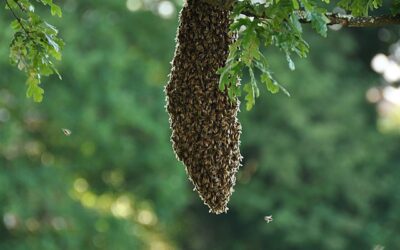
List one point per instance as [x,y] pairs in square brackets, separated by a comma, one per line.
[205,128]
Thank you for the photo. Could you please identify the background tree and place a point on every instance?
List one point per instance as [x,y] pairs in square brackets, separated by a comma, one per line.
[315,161]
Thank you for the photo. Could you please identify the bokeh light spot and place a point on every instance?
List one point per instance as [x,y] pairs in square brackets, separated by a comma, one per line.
[134,5]
[166,9]
[373,95]
[121,207]
[392,72]
[379,63]
[81,185]
[146,217]
[10,220]
[392,95]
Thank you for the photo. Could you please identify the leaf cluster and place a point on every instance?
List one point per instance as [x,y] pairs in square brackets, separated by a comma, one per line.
[257,25]
[35,44]
[275,23]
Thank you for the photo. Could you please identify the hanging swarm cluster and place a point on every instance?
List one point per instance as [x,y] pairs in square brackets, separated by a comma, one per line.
[205,128]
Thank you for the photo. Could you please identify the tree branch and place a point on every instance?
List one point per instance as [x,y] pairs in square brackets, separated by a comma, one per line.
[359,22]
[224,4]
[346,20]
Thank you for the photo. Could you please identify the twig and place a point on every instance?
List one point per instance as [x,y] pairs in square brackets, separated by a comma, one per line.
[20,6]
[16,17]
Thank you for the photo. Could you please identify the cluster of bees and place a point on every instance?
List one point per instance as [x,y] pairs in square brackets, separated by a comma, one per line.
[205,128]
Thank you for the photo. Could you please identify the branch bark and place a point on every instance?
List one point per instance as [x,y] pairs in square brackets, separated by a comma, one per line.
[347,20]
[360,22]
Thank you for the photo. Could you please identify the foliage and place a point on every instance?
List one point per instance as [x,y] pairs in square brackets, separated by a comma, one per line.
[314,162]
[256,24]
[99,187]
[274,23]
[35,43]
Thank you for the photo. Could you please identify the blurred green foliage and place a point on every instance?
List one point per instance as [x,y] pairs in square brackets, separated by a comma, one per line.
[315,161]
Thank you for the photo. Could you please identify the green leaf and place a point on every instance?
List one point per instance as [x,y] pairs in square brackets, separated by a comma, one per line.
[249,96]
[290,62]
[52,43]
[55,10]
[295,4]
[256,91]
[359,7]
[270,83]
[228,75]
[250,45]
[15,25]
[239,23]
[294,21]
[53,29]
[307,5]
[224,78]
[34,90]
[319,23]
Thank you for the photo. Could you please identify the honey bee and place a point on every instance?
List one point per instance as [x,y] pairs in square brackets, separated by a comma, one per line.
[205,130]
